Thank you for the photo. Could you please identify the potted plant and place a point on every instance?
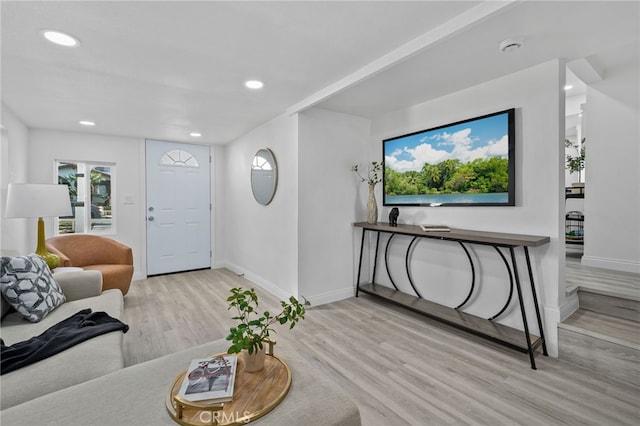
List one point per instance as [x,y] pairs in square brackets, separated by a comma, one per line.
[254,329]
[374,177]
[576,163]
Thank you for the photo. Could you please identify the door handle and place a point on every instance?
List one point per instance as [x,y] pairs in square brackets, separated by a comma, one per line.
[150,218]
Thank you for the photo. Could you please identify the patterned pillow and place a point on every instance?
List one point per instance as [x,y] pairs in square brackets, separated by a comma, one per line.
[27,284]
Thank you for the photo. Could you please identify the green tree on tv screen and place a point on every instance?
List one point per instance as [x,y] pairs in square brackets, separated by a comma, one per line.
[482,175]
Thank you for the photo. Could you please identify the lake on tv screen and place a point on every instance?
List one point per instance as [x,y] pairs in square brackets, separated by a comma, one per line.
[484,198]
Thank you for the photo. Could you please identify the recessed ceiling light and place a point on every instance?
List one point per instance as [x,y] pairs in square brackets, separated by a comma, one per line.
[195,134]
[87,123]
[60,38]
[568,87]
[254,84]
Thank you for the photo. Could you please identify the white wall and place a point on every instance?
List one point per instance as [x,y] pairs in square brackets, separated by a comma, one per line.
[300,244]
[47,146]
[219,193]
[537,95]
[260,241]
[14,232]
[612,193]
[329,201]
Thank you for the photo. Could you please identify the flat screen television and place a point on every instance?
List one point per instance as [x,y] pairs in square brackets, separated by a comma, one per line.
[466,163]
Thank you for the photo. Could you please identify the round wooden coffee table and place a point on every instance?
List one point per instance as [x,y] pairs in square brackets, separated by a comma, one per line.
[254,395]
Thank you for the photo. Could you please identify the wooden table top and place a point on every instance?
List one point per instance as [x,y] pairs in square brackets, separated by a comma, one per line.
[464,235]
[255,394]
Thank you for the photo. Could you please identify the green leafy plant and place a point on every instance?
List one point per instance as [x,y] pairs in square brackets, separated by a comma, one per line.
[374,175]
[254,328]
[575,163]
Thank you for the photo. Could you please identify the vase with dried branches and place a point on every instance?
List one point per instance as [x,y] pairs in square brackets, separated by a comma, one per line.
[374,177]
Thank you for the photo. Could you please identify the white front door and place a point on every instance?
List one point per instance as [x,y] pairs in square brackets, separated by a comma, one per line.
[178,207]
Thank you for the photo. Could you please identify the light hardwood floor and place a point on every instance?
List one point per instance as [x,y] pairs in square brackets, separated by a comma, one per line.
[400,368]
[600,280]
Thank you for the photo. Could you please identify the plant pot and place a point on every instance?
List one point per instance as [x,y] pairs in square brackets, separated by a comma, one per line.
[253,362]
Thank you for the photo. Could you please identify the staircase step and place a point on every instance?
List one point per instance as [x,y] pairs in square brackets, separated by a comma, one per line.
[617,330]
[609,303]
[603,344]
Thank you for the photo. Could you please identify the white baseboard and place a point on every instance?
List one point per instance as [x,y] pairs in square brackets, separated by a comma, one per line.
[314,299]
[138,276]
[332,296]
[571,304]
[615,264]
[256,279]
[551,321]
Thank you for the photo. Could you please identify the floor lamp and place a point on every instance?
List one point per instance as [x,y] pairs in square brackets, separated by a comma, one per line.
[39,200]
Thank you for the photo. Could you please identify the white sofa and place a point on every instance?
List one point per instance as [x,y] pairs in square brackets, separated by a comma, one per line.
[85,361]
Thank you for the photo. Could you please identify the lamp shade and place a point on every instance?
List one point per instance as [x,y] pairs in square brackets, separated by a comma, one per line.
[37,200]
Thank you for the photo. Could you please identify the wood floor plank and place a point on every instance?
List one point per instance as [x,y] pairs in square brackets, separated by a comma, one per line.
[455,317]
[399,367]
[600,280]
[608,305]
[620,328]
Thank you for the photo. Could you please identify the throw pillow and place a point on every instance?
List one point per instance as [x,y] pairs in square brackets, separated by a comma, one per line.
[5,307]
[28,285]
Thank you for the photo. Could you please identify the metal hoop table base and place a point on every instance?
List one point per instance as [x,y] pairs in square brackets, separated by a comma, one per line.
[488,328]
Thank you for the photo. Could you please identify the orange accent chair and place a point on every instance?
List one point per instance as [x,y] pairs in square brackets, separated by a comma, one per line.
[113,259]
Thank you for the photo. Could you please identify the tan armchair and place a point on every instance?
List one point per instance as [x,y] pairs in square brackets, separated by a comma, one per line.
[93,252]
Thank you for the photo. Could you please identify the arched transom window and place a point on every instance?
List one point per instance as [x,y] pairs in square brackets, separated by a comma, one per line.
[261,163]
[179,158]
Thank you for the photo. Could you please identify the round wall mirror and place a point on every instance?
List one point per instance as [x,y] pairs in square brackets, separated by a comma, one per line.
[264,176]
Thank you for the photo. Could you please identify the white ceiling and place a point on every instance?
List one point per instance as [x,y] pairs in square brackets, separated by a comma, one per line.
[161,70]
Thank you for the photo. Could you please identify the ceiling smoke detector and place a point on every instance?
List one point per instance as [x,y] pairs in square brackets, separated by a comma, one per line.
[510,44]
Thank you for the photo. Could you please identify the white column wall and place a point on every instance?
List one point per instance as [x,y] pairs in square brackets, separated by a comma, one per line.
[612,192]
[329,201]
[261,241]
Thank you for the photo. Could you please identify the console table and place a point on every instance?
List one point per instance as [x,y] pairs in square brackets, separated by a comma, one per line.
[456,317]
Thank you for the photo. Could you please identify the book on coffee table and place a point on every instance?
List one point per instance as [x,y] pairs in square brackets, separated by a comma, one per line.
[210,379]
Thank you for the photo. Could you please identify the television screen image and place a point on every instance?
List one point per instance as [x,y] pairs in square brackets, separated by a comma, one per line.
[467,163]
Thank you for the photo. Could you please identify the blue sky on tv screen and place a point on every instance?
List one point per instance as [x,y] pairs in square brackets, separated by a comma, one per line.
[482,138]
